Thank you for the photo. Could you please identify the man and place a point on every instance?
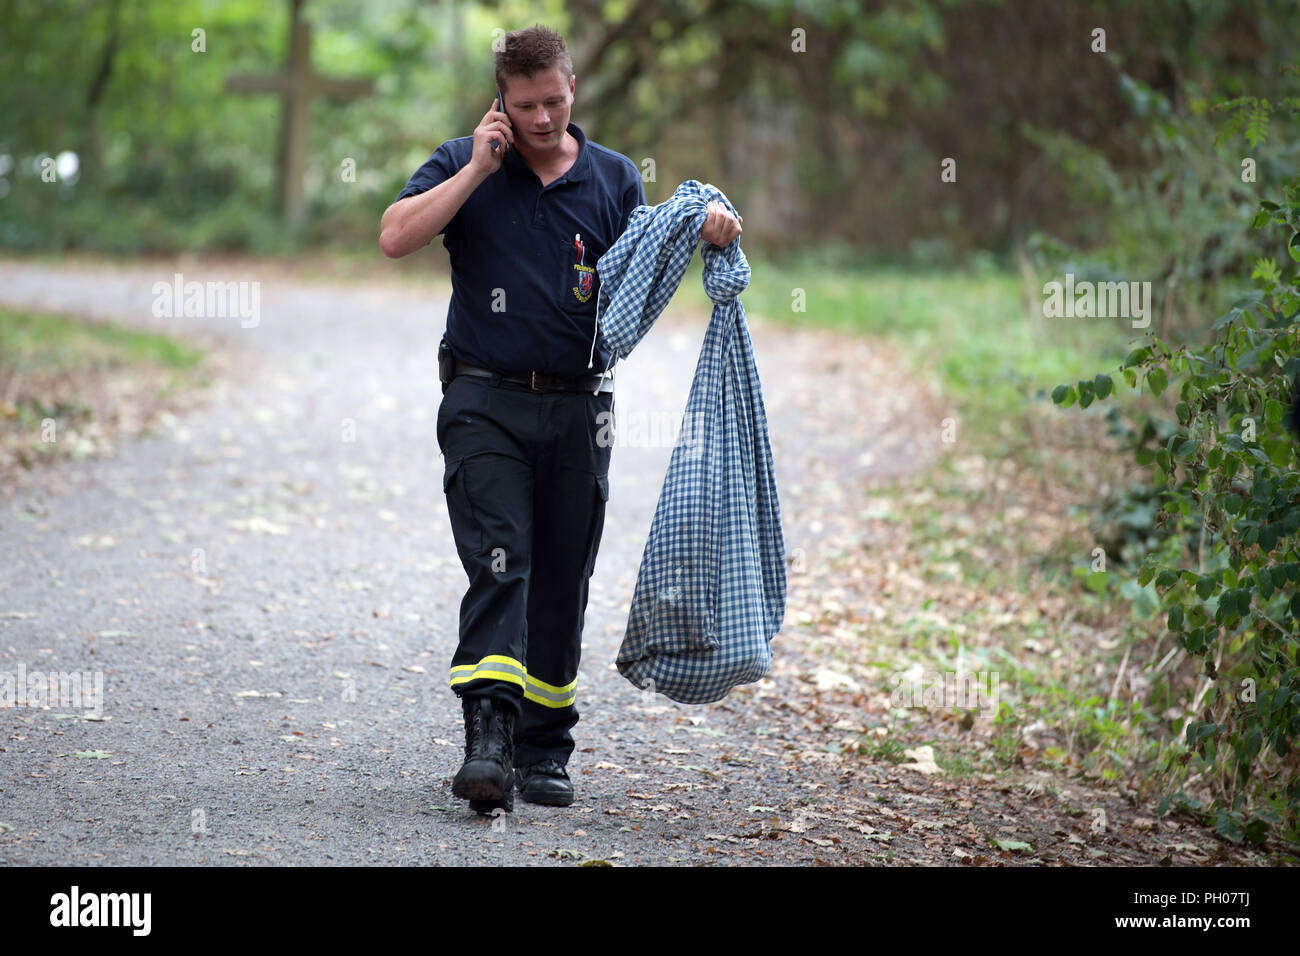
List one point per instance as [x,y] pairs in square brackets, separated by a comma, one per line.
[526,207]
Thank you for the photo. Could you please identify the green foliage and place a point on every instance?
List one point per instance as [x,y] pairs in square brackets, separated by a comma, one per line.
[169,160]
[841,139]
[1249,117]
[967,327]
[45,342]
[1227,479]
[1176,224]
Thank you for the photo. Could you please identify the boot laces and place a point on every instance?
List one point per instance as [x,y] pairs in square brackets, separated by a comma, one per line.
[547,767]
[473,728]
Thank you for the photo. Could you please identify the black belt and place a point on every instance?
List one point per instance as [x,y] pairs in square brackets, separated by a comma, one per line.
[542,381]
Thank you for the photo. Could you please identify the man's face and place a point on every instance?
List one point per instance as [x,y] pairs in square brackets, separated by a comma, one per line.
[539,108]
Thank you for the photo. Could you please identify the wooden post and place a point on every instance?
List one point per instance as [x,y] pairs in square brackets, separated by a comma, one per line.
[297,85]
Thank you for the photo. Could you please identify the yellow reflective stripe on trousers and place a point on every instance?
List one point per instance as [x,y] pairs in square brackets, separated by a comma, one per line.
[495,666]
[549,695]
[500,667]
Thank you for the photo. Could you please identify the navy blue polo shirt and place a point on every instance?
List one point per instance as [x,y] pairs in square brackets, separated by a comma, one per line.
[523,256]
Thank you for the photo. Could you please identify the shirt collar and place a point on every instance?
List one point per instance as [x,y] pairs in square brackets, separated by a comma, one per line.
[581,166]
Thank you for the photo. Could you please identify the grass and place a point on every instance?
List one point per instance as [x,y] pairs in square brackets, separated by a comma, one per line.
[980,340]
[40,342]
[69,387]
[972,330]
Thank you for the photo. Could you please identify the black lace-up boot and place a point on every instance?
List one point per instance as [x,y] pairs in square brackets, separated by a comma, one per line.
[546,783]
[486,776]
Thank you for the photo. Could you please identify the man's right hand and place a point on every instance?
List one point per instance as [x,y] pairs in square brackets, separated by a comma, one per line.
[493,128]
[411,223]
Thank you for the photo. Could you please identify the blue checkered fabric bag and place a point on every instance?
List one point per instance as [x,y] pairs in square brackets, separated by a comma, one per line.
[711,591]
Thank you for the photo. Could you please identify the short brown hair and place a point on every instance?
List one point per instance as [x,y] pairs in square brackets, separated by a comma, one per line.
[529,51]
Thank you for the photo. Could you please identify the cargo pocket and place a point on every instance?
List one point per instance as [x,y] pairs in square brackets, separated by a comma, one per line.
[599,498]
[464,523]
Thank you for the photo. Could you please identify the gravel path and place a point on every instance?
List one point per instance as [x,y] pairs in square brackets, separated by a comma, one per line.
[273,609]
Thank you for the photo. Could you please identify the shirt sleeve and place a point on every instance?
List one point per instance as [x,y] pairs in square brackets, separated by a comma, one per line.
[437,169]
[633,196]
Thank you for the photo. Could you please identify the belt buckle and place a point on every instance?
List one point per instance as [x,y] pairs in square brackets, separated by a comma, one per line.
[533,382]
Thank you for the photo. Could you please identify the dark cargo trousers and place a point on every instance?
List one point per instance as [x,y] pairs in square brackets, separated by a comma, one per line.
[526,479]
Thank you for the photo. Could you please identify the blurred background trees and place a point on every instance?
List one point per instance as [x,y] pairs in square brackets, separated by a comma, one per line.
[827,122]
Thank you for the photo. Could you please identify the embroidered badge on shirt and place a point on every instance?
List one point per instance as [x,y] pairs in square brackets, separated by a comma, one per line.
[582,291]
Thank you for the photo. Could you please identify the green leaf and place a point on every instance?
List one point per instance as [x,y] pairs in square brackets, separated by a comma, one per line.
[1130,376]
[1136,356]
[1257,830]
[1280,743]
[1229,827]
[1157,380]
[1205,586]
[1102,385]
[1268,537]
[1013,845]
[1232,504]
[1279,451]
[1293,246]
[1175,620]
[1059,393]
[1254,740]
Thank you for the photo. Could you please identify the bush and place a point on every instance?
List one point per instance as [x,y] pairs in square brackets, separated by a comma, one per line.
[1228,485]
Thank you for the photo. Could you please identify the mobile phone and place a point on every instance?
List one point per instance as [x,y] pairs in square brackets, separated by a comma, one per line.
[501,107]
